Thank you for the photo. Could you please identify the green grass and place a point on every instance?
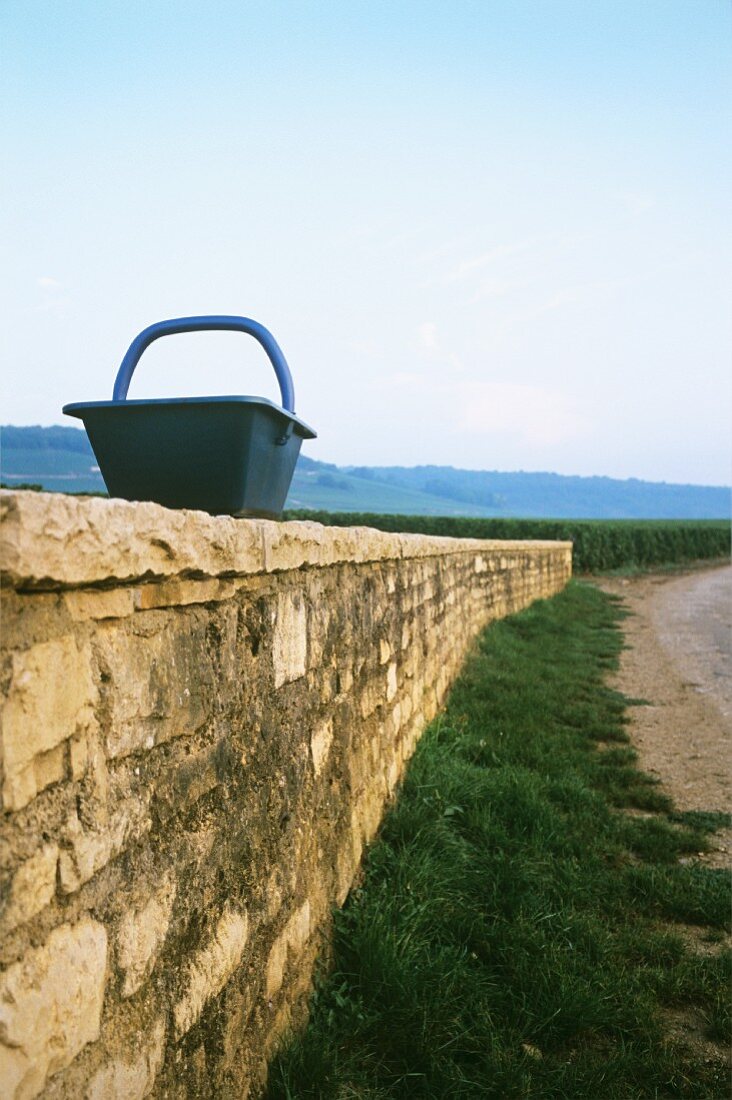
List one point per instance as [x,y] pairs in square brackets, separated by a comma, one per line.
[515,932]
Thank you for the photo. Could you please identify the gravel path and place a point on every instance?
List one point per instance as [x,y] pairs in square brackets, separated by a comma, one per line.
[693,620]
[679,659]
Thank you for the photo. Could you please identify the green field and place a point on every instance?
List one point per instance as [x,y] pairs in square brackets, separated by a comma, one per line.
[598,545]
[321,488]
[519,933]
[55,470]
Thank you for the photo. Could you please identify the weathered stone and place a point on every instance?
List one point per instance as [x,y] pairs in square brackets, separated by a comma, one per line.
[131,1078]
[78,755]
[181,593]
[320,743]
[48,767]
[373,695]
[289,650]
[292,939]
[187,781]
[32,888]
[391,681]
[291,545]
[51,1006]
[141,934]
[89,603]
[345,675]
[84,852]
[211,968]
[51,539]
[51,698]
[123,541]
[273,894]
[318,622]
[276,963]
[159,687]
[298,928]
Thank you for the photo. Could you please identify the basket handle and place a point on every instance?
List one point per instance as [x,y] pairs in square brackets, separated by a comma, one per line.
[200,324]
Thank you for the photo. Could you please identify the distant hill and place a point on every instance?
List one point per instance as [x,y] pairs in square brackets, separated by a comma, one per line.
[61,459]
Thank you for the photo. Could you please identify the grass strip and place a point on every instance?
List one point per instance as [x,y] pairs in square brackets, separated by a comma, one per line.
[515,933]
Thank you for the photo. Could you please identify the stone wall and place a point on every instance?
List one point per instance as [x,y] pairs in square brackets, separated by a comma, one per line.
[203,719]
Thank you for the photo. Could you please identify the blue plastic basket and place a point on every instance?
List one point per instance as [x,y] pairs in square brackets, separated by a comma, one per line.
[222,455]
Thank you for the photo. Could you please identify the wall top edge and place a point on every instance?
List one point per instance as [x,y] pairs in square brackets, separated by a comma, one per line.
[50,541]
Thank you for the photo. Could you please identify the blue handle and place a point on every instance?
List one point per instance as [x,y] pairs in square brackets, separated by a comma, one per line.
[199,324]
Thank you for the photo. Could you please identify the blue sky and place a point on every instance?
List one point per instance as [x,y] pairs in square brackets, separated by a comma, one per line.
[492,234]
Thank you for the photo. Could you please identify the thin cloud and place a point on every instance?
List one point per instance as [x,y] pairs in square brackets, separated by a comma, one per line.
[428,337]
[637,202]
[477,263]
[527,415]
[537,416]
[498,288]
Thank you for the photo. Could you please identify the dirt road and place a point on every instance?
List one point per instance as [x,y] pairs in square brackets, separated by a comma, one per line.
[679,659]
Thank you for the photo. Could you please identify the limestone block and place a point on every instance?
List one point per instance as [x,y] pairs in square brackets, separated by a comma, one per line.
[51,1006]
[371,807]
[289,646]
[298,928]
[181,593]
[133,1078]
[84,852]
[391,681]
[48,767]
[372,696]
[90,603]
[319,613]
[345,677]
[211,968]
[78,755]
[52,539]
[32,888]
[392,776]
[292,939]
[51,697]
[411,659]
[291,545]
[160,686]
[141,934]
[276,962]
[320,743]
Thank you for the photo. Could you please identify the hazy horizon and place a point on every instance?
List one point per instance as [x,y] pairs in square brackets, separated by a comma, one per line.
[431,465]
[491,236]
